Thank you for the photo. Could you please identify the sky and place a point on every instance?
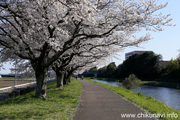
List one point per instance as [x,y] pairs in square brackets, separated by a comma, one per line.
[166,43]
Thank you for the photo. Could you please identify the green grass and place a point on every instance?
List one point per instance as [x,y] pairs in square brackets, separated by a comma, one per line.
[147,103]
[162,84]
[106,79]
[7,78]
[59,104]
[12,78]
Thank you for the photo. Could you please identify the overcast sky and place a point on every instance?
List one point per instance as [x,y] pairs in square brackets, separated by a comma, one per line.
[166,43]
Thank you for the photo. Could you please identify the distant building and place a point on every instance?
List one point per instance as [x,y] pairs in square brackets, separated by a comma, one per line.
[163,64]
[127,55]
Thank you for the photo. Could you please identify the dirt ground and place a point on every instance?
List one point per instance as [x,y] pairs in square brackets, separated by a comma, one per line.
[10,82]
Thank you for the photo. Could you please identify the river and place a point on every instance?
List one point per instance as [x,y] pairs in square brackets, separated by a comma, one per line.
[168,95]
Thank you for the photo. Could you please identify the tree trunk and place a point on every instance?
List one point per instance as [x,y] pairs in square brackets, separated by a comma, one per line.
[69,77]
[65,80]
[41,82]
[41,73]
[59,78]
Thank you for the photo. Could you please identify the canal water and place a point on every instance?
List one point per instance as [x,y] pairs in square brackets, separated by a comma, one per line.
[168,95]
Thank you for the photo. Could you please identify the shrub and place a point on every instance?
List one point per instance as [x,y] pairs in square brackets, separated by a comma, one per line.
[26,90]
[14,93]
[131,82]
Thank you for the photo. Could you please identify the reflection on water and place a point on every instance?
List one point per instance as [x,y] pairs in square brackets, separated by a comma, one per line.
[168,95]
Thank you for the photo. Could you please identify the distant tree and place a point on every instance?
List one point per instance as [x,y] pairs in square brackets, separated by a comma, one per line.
[101,71]
[93,69]
[144,65]
[173,69]
[111,68]
[107,71]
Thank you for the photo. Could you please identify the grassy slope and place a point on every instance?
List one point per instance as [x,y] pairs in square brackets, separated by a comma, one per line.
[147,103]
[59,105]
[106,79]
[162,84]
[158,83]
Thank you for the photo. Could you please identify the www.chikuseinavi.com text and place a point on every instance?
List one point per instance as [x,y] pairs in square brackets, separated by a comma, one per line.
[148,115]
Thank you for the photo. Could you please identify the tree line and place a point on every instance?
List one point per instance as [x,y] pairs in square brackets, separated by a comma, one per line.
[145,66]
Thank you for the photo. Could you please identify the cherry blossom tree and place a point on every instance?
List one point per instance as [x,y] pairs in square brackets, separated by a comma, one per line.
[33,29]
[59,68]
[82,58]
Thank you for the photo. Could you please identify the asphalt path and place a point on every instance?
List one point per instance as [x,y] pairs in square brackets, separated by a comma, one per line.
[99,103]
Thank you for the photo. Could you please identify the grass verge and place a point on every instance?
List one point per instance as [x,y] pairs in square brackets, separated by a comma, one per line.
[6,78]
[106,79]
[158,83]
[162,84]
[59,104]
[147,103]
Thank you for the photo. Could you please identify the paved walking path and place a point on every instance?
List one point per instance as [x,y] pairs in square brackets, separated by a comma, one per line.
[99,103]
[5,95]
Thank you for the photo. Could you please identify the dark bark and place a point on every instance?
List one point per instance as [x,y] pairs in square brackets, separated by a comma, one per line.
[41,82]
[69,79]
[41,70]
[69,75]
[59,78]
[41,73]
[65,80]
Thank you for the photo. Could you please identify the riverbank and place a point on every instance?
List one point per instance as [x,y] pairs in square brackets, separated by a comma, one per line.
[147,103]
[106,79]
[59,104]
[162,84]
[157,83]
